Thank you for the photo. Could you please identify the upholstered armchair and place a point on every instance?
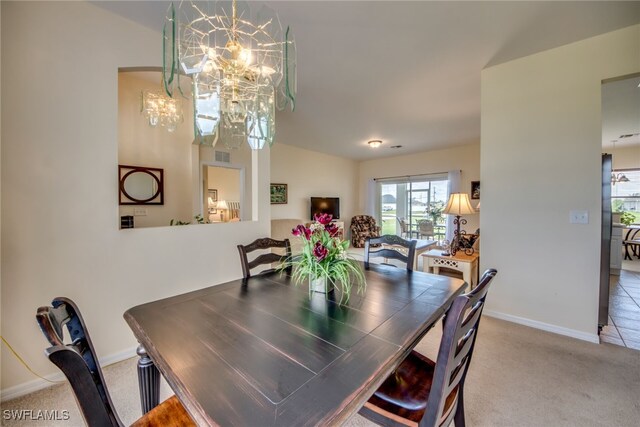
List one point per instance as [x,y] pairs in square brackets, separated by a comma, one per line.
[363,226]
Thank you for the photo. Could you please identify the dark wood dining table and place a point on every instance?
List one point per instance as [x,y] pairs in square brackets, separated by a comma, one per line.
[264,352]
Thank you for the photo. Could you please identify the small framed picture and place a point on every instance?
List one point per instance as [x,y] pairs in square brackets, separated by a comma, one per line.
[475,189]
[279,194]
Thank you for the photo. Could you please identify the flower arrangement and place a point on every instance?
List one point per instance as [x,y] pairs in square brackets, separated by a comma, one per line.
[324,257]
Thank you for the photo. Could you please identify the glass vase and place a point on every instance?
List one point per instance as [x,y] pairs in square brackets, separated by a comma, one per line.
[320,285]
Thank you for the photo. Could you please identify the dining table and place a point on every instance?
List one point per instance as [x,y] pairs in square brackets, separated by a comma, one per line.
[263,351]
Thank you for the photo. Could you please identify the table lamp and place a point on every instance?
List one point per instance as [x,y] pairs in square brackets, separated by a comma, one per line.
[222,206]
[458,205]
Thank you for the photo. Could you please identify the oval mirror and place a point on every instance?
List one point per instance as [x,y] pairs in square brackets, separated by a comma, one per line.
[139,185]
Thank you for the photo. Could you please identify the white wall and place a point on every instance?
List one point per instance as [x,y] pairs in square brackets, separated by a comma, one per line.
[309,173]
[540,158]
[141,145]
[465,158]
[60,231]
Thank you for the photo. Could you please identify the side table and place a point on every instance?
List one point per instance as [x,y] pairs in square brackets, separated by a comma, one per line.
[466,264]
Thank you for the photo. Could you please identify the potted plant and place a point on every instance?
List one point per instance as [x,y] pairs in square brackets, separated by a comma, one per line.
[324,261]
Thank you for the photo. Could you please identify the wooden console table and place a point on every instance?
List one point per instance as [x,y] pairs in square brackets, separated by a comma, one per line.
[466,264]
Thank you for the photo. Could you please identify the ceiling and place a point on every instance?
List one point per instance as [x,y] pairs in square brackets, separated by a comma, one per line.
[407,73]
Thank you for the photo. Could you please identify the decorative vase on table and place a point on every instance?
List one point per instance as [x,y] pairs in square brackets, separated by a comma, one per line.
[324,262]
[320,285]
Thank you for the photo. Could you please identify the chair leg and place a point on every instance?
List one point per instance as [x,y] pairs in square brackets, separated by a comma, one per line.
[458,418]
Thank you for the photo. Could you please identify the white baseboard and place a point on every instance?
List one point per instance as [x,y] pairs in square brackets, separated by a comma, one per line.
[544,326]
[39,384]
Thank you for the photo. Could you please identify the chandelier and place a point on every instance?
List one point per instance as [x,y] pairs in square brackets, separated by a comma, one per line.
[242,68]
[618,177]
[159,109]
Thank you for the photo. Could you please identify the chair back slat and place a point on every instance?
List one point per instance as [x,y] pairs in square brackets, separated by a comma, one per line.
[269,258]
[464,347]
[78,360]
[82,381]
[390,239]
[456,349]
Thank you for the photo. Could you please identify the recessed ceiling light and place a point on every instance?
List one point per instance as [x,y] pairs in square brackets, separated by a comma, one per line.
[396,146]
[374,143]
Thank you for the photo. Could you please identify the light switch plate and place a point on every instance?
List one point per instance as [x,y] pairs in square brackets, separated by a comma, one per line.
[579,217]
[140,211]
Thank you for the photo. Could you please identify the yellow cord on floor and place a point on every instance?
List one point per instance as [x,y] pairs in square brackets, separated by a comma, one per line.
[25,363]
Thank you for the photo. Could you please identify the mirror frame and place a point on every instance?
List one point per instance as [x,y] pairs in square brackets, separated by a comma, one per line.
[157,198]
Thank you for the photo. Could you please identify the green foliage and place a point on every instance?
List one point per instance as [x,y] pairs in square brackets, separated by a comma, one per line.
[434,211]
[199,220]
[617,205]
[627,218]
[178,222]
[336,265]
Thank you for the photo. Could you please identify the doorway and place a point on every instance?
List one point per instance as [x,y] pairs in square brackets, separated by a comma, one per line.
[621,138]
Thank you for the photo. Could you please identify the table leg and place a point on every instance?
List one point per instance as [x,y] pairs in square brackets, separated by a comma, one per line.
[148,381]
[436,270]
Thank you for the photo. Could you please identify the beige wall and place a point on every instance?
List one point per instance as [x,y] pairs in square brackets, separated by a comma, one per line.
[309,173]
[60,232]
[141,145]
[625,158]
[465,158]
[540,159]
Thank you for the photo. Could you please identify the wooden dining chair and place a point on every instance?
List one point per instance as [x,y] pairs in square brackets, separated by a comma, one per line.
[385,252]
[266,258]
[427,394]
[78,362]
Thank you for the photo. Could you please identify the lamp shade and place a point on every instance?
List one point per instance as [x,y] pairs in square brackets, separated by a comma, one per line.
[459,204]
[222,204]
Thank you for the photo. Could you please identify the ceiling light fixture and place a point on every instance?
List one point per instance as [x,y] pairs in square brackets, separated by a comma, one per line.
[375,143]
[161,110]
[396,146]
[242,68]
[618,177]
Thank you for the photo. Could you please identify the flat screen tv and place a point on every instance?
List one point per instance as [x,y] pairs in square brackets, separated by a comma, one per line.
[330,205]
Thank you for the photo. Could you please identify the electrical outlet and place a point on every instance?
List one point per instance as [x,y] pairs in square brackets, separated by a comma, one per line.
[140,211]
[579,217]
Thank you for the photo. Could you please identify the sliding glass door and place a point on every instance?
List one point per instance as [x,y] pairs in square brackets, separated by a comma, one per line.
[404,203]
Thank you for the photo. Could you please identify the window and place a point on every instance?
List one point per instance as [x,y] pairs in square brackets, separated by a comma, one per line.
[410,200]
[625,196]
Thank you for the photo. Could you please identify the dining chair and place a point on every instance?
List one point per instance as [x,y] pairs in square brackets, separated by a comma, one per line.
[390,240]
[405,228]
[425,228]
[266,258]
[427,394]
[79,363]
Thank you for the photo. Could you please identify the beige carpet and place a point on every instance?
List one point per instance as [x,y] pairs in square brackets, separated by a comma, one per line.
[519,377]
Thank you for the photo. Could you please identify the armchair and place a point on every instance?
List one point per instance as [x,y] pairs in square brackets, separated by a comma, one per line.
[363,226]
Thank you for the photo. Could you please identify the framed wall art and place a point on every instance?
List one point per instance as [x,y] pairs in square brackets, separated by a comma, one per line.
[279,194]
[475,189]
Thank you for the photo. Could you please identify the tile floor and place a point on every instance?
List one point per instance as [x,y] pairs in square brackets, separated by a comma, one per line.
[624,311]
